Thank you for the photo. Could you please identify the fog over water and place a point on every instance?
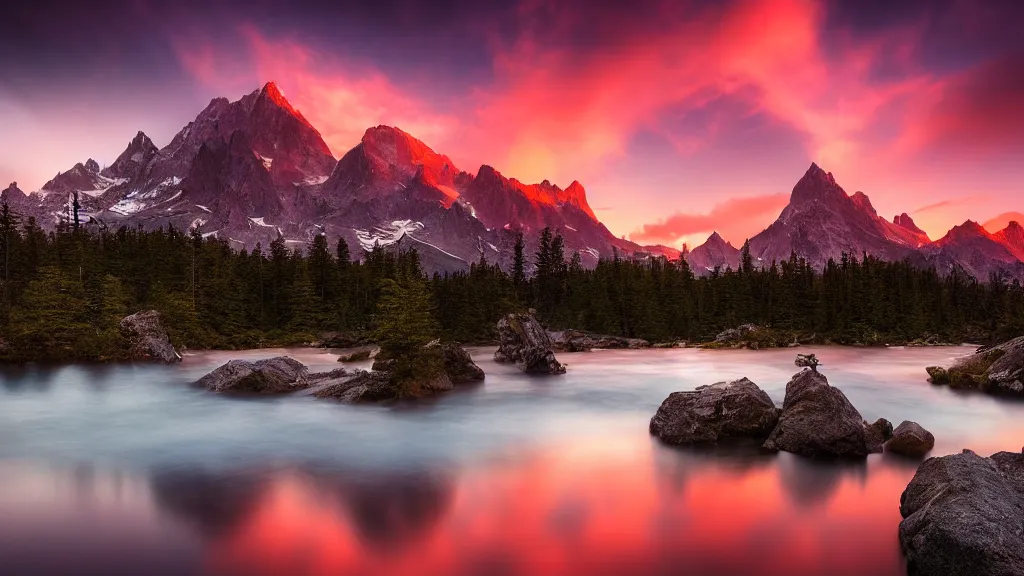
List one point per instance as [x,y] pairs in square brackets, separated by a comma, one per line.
[126,469]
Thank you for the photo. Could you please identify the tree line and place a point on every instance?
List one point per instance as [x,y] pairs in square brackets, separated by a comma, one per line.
[64,293]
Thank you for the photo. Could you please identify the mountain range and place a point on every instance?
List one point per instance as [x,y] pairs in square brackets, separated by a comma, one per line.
[253,170]
[823,222]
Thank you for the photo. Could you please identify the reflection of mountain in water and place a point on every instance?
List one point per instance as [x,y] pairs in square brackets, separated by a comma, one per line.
[215,502]
[385,510]
[392,509]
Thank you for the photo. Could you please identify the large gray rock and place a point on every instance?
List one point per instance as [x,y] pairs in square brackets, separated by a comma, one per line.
[997,370]
[147,338]
[459,365]
[964,515]
[522,340]
[910,439]
[817,420]
[725,410]
[268,376]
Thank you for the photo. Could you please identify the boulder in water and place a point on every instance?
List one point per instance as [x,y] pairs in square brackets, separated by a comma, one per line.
[268,376]
[910,439]
[964,514]
[818,420]
[459,365]
[721,411]
[524,341]
[147,338]
[879,431]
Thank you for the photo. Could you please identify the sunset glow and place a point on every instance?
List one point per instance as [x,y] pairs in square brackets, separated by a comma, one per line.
[679,119]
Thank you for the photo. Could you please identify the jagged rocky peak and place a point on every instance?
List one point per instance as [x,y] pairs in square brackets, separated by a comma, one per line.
[134,158]
[576,195]
[861,201]
[92,166]
[1013,238]
[715,239]
[399,148]
[969,229]
[905,221]
[816,185]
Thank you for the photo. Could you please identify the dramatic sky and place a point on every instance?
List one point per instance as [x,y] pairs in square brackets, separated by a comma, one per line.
[679,117]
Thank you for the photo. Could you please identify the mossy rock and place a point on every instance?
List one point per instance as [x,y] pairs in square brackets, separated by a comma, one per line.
[937,375]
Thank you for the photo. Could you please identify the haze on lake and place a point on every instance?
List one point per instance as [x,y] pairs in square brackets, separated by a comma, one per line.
[126,469]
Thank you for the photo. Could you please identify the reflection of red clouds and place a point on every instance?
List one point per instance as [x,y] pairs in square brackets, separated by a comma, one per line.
[553,515]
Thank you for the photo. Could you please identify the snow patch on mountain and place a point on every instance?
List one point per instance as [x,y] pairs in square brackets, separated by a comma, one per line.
[387,234]
[135,201]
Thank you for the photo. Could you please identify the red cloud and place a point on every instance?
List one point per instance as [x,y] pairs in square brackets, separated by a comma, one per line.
[976,111]
[736,219]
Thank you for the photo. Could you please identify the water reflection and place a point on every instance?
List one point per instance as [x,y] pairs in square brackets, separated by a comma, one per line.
[129,470]
[614,508]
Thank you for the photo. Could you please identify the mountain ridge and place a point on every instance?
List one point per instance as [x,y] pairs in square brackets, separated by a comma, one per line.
[255,169]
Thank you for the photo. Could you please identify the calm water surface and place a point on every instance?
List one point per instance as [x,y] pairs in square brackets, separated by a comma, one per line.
[112,470]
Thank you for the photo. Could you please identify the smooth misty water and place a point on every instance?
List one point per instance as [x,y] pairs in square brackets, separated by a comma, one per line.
[128,470]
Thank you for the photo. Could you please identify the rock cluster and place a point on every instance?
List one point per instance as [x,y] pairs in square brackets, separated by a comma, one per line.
[523,341]
[284,375]
[816,420]
[964,514]
[997,370]
[753,337]
[147,339]
[577,341]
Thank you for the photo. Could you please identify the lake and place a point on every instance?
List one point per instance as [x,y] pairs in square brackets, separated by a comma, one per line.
[126,469]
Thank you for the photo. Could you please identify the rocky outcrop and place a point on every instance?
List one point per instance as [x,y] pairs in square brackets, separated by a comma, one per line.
[269,376]
[709,414]
[459,365]
[910,439]
[818,420]
[524,341]
[753,337]
[964,514]
[147,338]
[937,375]
[577,341]
[997,370]
[379,385]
